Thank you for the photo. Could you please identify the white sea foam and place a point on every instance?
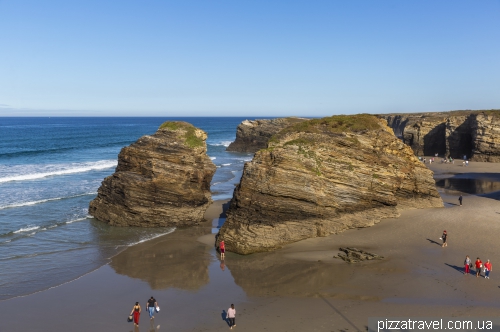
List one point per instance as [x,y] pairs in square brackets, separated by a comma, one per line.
[79,219]
[55,170]
[27,229]
[226,164]
[223,143]
[42,201]
[151,237]
[213,158]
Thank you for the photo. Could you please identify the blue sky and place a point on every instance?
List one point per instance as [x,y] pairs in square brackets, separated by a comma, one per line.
[247,58]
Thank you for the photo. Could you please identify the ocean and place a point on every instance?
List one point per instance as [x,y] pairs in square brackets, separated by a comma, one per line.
[51,168]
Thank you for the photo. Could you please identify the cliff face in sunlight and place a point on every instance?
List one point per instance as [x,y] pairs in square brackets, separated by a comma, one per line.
[475,134]
[161,180]
[321,177]
[251,136]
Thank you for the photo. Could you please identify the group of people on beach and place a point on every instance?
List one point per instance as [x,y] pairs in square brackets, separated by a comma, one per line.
[431,160]
[444,160]
[486,267]
[151,306]
[478,264]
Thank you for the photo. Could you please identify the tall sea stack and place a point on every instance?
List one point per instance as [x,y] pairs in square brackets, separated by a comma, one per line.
[161,180]
[321,177]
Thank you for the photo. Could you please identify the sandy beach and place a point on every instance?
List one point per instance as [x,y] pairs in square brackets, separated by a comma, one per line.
[298,288]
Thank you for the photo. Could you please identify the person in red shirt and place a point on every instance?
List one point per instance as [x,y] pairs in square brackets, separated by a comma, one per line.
[479,265]
[487,269]
[222,247]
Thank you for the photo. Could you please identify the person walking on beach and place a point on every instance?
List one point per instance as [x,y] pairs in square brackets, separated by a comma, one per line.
[487,269]
[444,237]
[222,247]
[231,316]
[479,265]
[467,264]
[136,312]
[151,306]
[460,200]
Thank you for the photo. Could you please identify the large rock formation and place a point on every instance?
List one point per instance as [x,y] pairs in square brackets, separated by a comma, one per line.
[475,134]
[321,177]
[251,136]
[161,180]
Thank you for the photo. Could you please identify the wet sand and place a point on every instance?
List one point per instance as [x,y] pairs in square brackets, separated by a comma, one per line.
[298,288]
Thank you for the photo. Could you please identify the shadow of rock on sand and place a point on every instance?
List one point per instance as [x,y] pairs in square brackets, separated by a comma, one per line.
[177,261]
[269,274]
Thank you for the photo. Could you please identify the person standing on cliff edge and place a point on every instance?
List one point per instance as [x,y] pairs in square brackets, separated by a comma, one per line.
[460,200]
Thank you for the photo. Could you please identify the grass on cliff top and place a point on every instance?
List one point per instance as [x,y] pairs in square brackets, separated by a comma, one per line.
[333,124]
[495,112]
[190,138]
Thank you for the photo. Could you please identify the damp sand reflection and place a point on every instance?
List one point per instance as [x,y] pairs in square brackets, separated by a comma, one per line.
[176,260]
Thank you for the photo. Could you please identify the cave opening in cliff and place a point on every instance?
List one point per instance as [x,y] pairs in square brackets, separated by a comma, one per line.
[460,141]
[435,141]
[466,145]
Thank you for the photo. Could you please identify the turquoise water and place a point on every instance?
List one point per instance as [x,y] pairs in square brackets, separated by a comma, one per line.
[51,168]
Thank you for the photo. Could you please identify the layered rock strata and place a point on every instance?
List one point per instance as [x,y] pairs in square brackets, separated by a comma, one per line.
[475,134]
[251,136]
[161,180]
[322,177]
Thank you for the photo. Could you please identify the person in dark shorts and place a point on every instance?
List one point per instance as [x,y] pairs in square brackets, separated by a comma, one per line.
[479,265]
[151,306]
[460,200]
[444,238]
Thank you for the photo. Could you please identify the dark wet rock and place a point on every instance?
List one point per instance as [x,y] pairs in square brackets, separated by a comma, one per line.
[354,255]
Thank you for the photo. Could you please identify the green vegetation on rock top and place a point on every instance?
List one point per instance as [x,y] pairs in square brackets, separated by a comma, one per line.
[190,137]
[334,124]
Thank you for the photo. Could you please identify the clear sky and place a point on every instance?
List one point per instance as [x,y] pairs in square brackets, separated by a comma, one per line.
[247,57]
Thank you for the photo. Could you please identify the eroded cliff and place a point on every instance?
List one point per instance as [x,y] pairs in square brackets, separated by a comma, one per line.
[324,176]
[475,134]
[161,180]
[252,136]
